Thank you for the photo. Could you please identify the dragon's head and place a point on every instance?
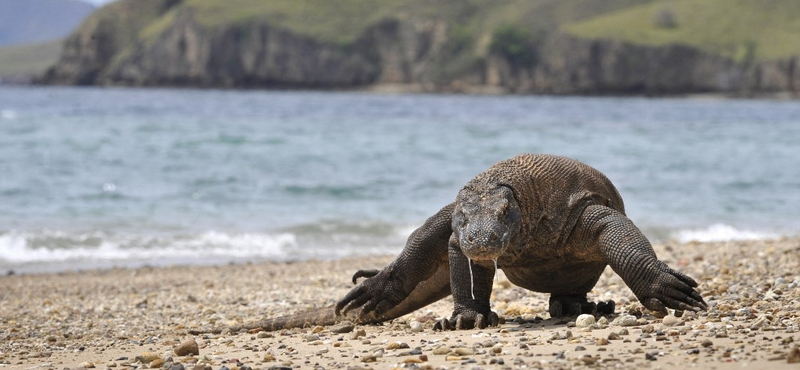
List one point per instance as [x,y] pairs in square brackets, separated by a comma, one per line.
[485,219]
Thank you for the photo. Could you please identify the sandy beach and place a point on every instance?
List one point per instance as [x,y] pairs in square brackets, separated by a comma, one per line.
[139,318]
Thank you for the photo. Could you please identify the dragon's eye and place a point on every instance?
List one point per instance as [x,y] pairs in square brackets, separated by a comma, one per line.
[502,208]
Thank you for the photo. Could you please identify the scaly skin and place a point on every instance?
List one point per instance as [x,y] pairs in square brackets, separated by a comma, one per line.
[552,224]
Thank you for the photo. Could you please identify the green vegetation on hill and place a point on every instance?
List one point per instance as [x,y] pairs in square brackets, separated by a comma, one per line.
[541,46]
[740,29]
[28,60]
[345,20]
[745,30]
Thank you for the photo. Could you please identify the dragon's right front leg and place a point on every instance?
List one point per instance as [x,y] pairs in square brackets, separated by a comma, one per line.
[471,284]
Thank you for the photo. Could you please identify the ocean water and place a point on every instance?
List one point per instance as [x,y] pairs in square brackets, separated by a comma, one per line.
[99,177]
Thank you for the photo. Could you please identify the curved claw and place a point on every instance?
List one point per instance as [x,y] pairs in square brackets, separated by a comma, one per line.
[442,324]
[683,277]
[364,273]
[380,293]
[467,321]
[672,289]
[354,299]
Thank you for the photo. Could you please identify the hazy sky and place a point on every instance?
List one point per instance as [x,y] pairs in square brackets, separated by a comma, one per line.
[98,2]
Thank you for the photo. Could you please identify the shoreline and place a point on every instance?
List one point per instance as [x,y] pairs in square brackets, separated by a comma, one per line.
[107,318]
[418,88]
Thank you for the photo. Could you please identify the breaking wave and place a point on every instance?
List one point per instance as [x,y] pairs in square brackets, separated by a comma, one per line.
[51,251]
[721,232]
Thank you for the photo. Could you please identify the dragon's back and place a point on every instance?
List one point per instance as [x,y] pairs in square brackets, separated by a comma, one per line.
[552,191]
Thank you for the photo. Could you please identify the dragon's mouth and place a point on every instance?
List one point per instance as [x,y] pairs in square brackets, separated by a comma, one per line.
[483,252]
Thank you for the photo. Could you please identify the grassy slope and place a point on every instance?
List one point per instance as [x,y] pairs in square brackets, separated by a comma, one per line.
[29,59]
[344,20]
[760,29]
[740,29]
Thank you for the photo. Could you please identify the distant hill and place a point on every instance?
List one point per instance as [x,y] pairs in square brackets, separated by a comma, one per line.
[34,21]
[21,63]
[758,30]
[32,33]
[518,46]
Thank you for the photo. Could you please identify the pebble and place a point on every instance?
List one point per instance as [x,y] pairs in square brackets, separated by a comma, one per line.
[396,345]
[464,351]
[147,357]
[441,350]
[416,326]
[187,348]
[497,348]
[584,321]
[155,364]
[794,356]
[670,320]
[625,320]
[342,327]
[358,334]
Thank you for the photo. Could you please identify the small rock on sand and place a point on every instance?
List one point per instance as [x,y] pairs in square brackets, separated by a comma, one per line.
[584,321]
[343,327]
[794,356]
[625,320]
[188,347]
[358,334]
[670,320]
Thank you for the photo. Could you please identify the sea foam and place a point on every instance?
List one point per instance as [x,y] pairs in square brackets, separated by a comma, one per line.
[8,114]
[56,247]
[720,232]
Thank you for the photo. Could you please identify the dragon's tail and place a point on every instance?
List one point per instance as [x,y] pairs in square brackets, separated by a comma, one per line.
[322,316]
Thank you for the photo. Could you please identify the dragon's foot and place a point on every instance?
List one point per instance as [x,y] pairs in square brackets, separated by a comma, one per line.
[468,320]
[570,305]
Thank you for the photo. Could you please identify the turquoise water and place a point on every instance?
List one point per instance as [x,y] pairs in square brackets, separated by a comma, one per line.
[94,178]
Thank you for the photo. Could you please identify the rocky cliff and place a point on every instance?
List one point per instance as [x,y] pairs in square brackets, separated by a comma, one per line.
[162,43]
[577,66]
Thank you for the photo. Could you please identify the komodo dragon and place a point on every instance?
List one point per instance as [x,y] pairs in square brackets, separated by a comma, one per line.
[551,223]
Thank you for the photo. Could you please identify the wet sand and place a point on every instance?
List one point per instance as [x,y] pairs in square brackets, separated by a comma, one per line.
[136,318]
